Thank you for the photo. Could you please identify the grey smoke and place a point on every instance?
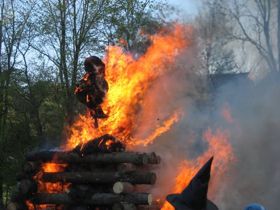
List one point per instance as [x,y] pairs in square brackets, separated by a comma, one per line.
[254,134]
[255,139]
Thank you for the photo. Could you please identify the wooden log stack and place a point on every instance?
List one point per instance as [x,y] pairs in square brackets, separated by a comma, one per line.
[100,175]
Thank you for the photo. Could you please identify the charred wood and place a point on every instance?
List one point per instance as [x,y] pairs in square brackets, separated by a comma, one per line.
[101,158]
[31,167]
[124,206]
[79,192]
[16,206]
[150,207]
[101,199]
[133,177]
[104,144]
[26,187]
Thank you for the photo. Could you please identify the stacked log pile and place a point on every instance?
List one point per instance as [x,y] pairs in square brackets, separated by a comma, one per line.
[98,175]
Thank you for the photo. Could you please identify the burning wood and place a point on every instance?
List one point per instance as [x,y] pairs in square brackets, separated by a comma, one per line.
[100,158]
[97,174]
[134,177]
[100,199]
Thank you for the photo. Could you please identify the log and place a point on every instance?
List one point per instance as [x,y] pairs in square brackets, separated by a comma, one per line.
[12,206]
[16,206]
[123,187]
[154,159]
[101,158]
[133,177]
[150,207]
[84,191]
[104,144]
[22,175]
[31,167]
[26,187]
[126,167]
[102,199]
[76,207]
[124,206]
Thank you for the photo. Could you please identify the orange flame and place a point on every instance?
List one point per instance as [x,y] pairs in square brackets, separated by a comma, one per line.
[45,186]
[158,131]
[50,187]
[226,113]
[129,80]
[220,147]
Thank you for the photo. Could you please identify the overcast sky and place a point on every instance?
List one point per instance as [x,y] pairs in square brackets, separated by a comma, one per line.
[189,6]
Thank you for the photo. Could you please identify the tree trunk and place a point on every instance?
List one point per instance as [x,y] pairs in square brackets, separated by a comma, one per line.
[1,190]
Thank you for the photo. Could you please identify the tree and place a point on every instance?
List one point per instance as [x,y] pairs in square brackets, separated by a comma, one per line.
[66,31]
[13,28]
[212,28]
[127,23]
[255,22]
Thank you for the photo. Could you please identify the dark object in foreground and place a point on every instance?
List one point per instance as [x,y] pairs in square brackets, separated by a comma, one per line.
[194,196]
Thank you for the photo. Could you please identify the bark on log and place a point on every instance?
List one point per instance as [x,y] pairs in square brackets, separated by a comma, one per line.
[103,158]
[150,207]
[16,206]
[27,187]
[154,159]
[31,167]
[102,199]
[12,206]
[124,206]
[84,191]
[123,187]
[133,177]
[104,144]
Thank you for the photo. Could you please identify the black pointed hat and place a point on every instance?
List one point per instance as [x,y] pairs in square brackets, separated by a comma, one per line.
[194,196]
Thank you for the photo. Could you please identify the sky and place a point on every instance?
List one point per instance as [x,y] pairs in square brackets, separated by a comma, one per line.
[188,6]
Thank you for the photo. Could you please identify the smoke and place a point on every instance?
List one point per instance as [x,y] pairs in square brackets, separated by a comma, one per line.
[247,111]
[255,139]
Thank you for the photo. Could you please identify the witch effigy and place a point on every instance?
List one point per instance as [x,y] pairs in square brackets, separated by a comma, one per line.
[92,88]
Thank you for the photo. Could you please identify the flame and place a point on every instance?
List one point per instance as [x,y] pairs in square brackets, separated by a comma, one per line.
[226,113]
[129,80]
[219,146]
[160,130]
[50,187]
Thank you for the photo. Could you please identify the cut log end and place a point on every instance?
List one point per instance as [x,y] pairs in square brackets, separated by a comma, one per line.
[150,199]
[123,187]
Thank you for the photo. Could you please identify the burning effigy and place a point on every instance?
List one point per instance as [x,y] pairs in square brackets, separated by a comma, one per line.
[99,166]
[93,87]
